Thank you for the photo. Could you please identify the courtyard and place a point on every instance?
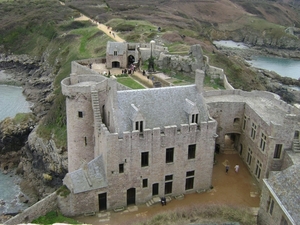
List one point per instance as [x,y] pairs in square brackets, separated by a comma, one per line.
[233,189]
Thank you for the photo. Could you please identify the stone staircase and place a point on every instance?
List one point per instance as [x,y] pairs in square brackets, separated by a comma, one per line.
[296,145]
[96,108]
[156,200]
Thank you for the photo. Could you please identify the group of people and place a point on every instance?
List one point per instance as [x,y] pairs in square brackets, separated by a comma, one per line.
[236,168]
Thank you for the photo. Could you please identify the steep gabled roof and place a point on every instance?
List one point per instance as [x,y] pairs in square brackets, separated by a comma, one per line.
[159,106]
[115,46]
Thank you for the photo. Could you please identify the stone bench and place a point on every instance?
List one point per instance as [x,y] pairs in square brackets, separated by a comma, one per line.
[90,214]
[119,209]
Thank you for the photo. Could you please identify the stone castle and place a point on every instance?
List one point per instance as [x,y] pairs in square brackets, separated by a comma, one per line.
[128,146]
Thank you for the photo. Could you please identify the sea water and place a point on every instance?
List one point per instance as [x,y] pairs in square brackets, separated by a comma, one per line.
[9,194]
[282,66]
[12,101]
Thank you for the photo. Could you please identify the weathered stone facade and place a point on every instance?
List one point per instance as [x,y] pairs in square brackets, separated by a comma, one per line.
[127,146]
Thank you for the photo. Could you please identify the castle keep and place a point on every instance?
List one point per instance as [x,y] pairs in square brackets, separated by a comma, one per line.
[128,146]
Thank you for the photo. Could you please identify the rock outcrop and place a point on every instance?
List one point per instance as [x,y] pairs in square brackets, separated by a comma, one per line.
[43,164]
[185,64]
[12,138]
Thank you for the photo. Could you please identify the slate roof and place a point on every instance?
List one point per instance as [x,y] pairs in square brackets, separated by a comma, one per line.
[115,46]
[286,185]
[90,178]
[159,106]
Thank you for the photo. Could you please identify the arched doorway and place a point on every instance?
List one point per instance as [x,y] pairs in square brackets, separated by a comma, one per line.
[231,141]
[115,64]
[131,196]
[131,60]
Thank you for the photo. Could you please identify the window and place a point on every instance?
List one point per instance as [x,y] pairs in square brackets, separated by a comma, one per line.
[121,168]
[258,169]
[145,159]
[192,151]
[277,152]
[145,183]
[253,130]
[194,118]
[85,141]
[169,155]
[263,139]
[139,126]
[115,52]
[249,156]
[189,181]
[236,121]
[168,177]
[270,205]
[245,122]
[80,114]
[168,184]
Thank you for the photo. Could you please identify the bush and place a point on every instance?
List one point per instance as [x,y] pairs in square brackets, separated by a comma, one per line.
[63,191]
[54,217]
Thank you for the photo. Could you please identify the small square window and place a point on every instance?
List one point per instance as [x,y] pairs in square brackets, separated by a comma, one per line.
[168,177]
[80,114]
[190,173]
[145,183]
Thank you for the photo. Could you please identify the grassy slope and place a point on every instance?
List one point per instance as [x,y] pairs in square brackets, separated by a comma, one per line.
[46,29]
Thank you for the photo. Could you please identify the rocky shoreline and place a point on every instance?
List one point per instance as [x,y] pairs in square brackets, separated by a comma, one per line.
[34,158]
[283,86]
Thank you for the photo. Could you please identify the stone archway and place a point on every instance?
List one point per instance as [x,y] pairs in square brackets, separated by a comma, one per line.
[231,141]
[130,60]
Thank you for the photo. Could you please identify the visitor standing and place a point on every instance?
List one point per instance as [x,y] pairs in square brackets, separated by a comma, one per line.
[236,168]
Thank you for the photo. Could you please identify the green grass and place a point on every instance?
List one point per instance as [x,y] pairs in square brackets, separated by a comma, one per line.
[63,191]
[214,83]
[23,117]
[54,217]
[129,82]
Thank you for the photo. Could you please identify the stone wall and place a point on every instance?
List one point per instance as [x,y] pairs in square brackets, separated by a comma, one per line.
[35,211]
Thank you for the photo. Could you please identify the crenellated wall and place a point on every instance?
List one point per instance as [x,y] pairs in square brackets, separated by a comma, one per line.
[155,141]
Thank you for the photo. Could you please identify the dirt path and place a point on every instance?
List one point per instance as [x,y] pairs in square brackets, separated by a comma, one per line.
[101,27]
[238,189]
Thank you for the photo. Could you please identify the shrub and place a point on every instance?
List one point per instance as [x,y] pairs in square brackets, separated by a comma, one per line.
[63,191]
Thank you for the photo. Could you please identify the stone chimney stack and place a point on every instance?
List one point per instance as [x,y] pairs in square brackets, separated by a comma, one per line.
[199,79]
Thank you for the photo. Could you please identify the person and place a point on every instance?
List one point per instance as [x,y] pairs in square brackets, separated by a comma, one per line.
[236,168]
[144,73]
[227,168]
[163,201]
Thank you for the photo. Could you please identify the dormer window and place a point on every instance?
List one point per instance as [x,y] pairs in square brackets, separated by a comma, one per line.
[139,126]
[138,121]
[195,118]
[192,111]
